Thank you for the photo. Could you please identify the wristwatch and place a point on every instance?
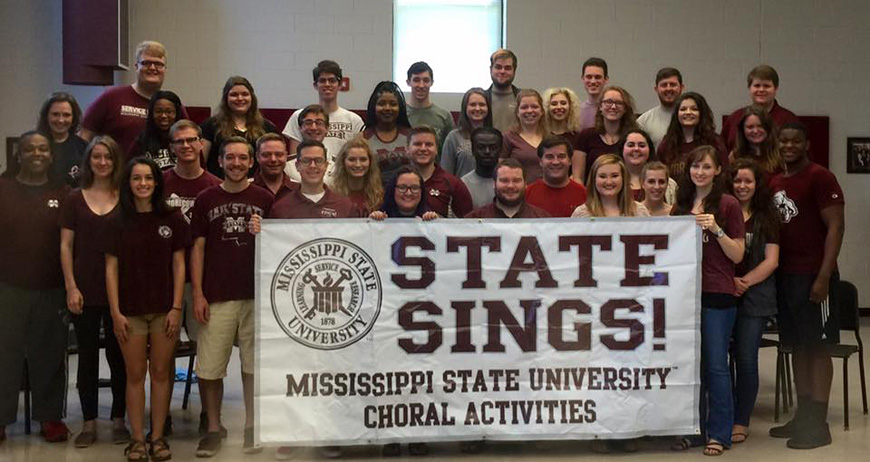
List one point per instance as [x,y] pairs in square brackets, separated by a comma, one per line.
[719,233]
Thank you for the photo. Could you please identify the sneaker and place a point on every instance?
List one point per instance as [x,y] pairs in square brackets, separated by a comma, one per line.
[55,431]
[208,445]
[120,435]
[248,447]
[391,450]
[331,452]
[810,438]
[86,439]
[203,426]
[284,453]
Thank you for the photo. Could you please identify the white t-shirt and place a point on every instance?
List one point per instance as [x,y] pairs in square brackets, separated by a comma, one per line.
[343,125]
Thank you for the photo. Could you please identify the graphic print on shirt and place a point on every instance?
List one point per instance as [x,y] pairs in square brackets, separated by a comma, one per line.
[185,204]
[786,207]
[235,220]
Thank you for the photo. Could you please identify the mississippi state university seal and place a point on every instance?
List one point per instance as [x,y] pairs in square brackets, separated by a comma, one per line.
[326,294]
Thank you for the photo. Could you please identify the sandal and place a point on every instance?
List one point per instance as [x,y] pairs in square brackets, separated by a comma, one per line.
[159,450]
[714,448]
[684,444]
[136,452]
[739,437]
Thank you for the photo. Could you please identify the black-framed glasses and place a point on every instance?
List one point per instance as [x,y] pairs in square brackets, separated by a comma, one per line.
[155,64]
[311,161]
[183,141]
[404,188]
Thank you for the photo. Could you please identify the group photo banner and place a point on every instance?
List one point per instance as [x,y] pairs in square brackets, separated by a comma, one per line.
[402,330]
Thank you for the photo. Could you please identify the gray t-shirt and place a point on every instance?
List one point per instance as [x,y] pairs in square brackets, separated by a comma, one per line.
[482,189]
[433,116]
[504,108]
[456,156]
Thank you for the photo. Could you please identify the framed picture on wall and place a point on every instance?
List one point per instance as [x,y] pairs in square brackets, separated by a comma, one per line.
[858,155]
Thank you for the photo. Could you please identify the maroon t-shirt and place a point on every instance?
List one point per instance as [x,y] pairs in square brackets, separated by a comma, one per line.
[800,199]
[677,164]
[144,245]
[287,185]
[590,142]
[121,113]
[717,270]
[331,205]
[360,200]
[222,218]
[30,234]
[778,114]
[88,246]
[447,192]
[515,147]
[181,192]
[558,202]
[492,211]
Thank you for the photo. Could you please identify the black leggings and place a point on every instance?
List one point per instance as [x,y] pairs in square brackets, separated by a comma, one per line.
[87,327]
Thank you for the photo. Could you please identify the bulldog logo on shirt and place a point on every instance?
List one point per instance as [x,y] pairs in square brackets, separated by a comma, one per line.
[164,231]
[786,207]
[326,294]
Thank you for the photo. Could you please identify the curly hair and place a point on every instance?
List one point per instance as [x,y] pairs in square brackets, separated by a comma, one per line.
[59,97]
[572,121]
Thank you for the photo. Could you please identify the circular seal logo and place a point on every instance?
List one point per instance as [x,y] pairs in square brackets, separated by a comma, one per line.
[164,231]
[326,294]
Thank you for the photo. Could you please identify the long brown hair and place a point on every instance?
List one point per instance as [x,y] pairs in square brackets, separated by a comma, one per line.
[254,121]
[115,152]
[686,189]
[372,185]
[766,220]
[769,159]
[705,131]
[593,198]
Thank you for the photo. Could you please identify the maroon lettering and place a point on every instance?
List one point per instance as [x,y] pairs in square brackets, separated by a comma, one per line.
[473,245]
[555,337]
[498,314]
[426,265]
[463,327]
[407,322]
[584,255]
[633,260]
[634,326]
[528,247]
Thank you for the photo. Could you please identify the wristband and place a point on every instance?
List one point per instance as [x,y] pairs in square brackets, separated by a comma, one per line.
[176,308]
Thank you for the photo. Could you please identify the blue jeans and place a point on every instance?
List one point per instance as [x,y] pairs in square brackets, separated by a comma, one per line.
[717,403]
[747,338]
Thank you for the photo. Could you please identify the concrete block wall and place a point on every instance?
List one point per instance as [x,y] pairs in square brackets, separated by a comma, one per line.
[818,47]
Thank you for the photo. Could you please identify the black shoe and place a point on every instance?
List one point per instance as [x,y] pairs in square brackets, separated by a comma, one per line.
[788,430]
[418,449]
[391,450]
[810,438]
[203,426]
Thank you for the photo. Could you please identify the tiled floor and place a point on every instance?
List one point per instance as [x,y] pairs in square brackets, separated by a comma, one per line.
[853,445]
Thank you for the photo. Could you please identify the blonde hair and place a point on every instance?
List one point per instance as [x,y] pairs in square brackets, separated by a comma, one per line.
[372,185]
[151,47]
[572,122]
[593,198]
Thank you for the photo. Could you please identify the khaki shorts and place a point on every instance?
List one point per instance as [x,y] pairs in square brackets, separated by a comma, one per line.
[145,324]
[214,344]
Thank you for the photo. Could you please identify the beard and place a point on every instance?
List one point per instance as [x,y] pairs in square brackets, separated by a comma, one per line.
[511,202]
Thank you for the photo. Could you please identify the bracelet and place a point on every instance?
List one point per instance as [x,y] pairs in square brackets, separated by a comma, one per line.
[176,308]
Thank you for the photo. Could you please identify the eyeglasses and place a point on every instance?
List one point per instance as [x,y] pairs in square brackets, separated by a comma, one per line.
[327,80]
[183,141]
[314,122]
[311,161]
[155,64]
[612,103]
[404,189]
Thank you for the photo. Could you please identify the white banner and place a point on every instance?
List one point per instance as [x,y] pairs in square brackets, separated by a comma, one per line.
[476,329]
